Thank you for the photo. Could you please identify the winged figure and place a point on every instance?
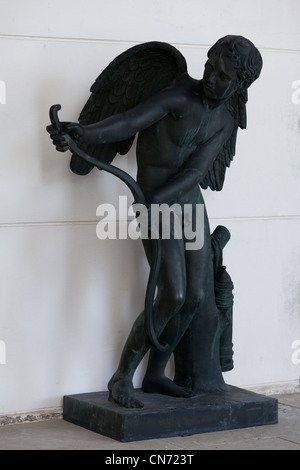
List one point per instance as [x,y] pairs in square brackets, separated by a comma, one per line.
[187,131]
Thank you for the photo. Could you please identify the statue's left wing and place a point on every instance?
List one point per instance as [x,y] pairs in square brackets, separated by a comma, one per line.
[132,77]
[216,175]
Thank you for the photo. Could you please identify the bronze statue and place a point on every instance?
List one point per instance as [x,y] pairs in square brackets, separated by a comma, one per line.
[187,133]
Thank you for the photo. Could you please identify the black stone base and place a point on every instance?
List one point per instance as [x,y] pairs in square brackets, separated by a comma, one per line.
[164,416]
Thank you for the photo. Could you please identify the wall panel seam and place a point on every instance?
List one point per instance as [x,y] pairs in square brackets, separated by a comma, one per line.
[129,43]
[94,222]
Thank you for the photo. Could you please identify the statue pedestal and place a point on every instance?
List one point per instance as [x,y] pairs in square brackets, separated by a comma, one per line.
[164,416]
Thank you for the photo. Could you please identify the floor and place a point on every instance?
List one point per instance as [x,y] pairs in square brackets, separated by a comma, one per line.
[57,434]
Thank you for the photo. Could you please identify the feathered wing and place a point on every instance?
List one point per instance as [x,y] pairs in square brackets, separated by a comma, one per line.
[132,77]
[216,175]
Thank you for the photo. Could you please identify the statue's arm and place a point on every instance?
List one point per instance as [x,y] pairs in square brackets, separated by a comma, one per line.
[121,126]
[194,170]
[124,125]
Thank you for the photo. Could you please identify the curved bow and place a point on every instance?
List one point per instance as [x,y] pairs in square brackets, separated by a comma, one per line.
[139,198]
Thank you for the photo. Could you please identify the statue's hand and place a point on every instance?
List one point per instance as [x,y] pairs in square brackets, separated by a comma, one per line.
[61,137]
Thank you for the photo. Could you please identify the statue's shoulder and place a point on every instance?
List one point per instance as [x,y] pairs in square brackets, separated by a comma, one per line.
[186,90]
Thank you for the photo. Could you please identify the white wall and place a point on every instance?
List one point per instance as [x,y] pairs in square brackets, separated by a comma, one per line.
[67,299]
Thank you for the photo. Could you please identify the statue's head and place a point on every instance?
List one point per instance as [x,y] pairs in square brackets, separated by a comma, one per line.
[233,64]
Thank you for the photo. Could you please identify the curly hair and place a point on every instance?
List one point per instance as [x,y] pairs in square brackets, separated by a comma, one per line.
[244,54]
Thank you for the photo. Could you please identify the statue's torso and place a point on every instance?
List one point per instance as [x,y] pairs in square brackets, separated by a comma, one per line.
[164,148]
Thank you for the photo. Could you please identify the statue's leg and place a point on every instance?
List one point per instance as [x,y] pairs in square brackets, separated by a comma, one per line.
[170,297]
[155,380]
[196,268]
[202,354]
[197,356]
[120,385]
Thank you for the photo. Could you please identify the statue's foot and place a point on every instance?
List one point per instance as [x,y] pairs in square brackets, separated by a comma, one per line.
[121,391]
[165,386]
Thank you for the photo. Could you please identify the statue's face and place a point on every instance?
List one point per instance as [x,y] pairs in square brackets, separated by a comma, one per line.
[220,78]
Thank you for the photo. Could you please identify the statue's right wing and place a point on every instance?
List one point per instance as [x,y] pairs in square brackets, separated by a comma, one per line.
[216,175]
[132,77]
